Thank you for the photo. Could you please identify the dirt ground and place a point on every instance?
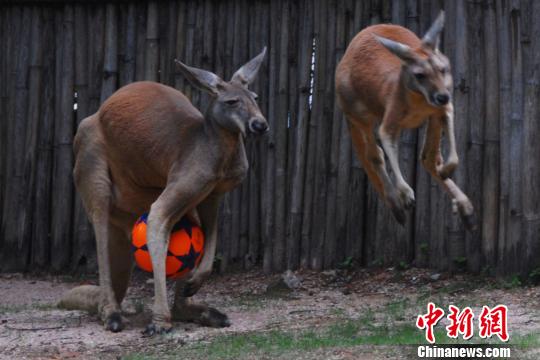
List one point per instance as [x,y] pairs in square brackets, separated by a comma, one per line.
[340,314]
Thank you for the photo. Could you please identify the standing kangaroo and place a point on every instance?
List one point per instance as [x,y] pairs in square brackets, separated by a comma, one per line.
[388,73]
[149,148]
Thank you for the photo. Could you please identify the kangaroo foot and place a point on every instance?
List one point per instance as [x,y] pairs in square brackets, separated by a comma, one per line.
[200,314]
[466,211]
[114,322]
[157,328]
[398,207]
[406,196]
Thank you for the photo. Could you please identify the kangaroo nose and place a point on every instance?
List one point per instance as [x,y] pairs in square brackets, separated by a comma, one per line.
[442,99]
[258,125]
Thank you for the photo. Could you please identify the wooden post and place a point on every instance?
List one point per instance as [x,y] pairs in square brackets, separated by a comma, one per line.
[269,178]
[83,239]
[62,185]
[151,62]
[181,40]
[110,62]
[127,63]
[529,244]
[475,130]
[343,35]
[28,181]
[14,247]
[305,54]
[41,212]
[490,185]
[281,129]
[96,35]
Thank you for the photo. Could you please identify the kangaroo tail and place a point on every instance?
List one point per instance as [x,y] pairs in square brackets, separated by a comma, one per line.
[84,297]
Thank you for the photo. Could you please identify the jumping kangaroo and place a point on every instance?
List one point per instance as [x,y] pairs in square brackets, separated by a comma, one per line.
[388,73]
[149,148]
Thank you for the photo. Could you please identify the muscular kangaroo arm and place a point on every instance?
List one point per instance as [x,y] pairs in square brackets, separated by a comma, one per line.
[181,194]
[208,212]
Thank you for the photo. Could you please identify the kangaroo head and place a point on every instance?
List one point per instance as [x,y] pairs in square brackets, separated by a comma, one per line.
[233,106]
[425,69]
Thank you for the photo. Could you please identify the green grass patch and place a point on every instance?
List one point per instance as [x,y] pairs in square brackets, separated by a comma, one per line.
[344,334]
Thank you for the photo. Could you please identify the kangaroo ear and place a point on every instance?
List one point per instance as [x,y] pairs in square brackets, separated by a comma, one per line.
[247,73]
[204,80]
[432,36]
[404,52]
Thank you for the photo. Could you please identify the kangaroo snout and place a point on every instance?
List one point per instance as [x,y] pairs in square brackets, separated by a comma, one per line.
[258,125]
[441,99]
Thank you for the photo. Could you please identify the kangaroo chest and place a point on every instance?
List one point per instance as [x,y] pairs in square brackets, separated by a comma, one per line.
[234,171]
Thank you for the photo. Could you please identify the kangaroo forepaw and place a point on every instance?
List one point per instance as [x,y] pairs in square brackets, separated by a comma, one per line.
[114,322]
[157,329]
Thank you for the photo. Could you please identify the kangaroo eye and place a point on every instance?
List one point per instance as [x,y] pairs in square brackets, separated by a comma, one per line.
[231,102]
[419,76]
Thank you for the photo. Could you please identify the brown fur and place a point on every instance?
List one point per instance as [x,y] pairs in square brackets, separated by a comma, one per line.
[149,149]
[390,77]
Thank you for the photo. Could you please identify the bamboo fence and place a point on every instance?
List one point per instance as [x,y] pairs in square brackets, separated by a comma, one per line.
[306,202]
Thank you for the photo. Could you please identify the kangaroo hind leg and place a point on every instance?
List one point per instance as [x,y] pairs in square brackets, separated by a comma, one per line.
[92,180]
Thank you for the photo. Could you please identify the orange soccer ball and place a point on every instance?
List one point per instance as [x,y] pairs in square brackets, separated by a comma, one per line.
[185,251]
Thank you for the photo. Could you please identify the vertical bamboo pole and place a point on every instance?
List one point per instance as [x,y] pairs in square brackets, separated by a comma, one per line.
[151,61]
[110,62]
[344,32]
[14,247]
[531,129]
[308,188]
[96,35]
[41,211]
[505,55]
[127,64]
[319,196]
[281,124]
[514,230]
[180,41]
[3,107]
[167,37]
[296,210]
[264,29]
[490,185]
[141,34]
[269,184]
[83,240]
[477,60]
[35,76]
[335,27]
[62,186]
